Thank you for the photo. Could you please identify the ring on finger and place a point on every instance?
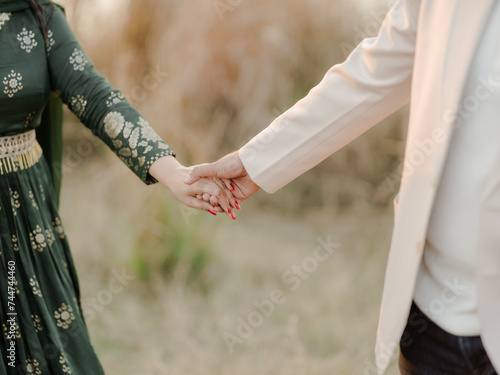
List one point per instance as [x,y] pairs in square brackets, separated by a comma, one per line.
[220,182]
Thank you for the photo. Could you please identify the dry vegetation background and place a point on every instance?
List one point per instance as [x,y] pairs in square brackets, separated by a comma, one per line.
[208,81]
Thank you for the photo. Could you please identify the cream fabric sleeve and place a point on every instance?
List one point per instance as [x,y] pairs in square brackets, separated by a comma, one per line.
[373,82]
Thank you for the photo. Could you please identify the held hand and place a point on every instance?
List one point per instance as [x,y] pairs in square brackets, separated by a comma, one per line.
[171,174]
[231,170]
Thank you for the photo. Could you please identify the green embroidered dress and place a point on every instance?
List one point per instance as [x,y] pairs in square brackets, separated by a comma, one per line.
[43,330]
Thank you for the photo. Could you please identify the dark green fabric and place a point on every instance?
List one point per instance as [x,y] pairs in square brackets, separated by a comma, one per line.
[49,136]
[49,330]
[49,133]
[63,67]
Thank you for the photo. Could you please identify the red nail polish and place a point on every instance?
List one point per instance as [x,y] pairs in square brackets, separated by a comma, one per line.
[213,212]
[237,205]
[232,187]
[233,216]
[229,210]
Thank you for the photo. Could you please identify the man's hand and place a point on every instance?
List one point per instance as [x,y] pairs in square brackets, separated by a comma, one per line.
[231,170]
[171,174]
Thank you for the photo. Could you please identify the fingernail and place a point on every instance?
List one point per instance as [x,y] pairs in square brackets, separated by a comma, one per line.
[232,187]
[229,209]
[237,205]
[233,216]
[213,212]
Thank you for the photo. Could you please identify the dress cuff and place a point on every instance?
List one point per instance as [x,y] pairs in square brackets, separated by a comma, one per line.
[145,176]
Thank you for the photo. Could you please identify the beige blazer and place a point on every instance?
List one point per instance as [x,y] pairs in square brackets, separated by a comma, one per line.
[423,52]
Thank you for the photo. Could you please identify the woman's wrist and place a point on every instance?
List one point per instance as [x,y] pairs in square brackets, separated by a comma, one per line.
[164,167]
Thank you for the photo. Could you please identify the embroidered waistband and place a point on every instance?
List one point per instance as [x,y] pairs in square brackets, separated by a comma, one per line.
[19,151]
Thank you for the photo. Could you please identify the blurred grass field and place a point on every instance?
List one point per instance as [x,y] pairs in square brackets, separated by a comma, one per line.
[207,83]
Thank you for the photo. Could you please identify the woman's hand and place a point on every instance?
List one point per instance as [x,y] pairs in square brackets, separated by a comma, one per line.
[232,171]
[171,174]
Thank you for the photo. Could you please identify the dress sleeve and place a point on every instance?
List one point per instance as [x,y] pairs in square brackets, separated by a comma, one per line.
[99,106]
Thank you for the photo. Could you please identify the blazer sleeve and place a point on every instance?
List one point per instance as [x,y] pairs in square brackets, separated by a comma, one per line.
[99,106]
[373,82]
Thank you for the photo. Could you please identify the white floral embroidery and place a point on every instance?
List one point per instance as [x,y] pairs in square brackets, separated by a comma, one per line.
[50,236]
[29,119]
[125,152]
[58,228]
[35,286]
[7,333]
[27,40]
[114,98]
[113,124]
[64,316]
[64,363]
[33,201]
[38,239]
[32,366]
[14,200]
[117,143]
[134,138]
[4,18]
[147,131]
[15,245]
[141,140]
[163,145]
[50,40]
[12,83]
[42,192]
[37,323]
[128,129]
[78,105]
[78,60]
